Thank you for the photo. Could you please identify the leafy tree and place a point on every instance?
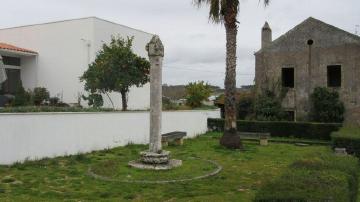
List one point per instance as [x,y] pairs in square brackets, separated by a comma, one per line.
[326,106]
[196,92]
[116,69]
[268,107]
[226,11]
[94,100]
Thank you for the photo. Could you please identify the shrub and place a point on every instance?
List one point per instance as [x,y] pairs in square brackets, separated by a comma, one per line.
[267,107]
[316,178]
[245,106]
[40,95]
[326,106]
[54,101]
[94,100]
[304,130]
[196,93]
[348,138]
[22,97]
[167,104]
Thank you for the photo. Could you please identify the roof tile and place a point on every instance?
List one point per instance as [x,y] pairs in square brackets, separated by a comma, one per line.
[6,46]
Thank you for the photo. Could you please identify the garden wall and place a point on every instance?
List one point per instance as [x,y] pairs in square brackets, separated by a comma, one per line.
[38,135]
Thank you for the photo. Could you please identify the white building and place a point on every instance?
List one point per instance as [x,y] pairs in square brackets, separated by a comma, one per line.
[54,55]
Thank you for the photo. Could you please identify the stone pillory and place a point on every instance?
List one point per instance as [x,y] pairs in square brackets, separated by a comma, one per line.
[155,47]
[155,158]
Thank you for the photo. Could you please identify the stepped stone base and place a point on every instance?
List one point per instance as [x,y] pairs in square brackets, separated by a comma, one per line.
[155,161]
[155,158]
[172,163]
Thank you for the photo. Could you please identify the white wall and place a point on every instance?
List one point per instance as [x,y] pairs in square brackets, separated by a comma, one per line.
[64,55]
[39,135]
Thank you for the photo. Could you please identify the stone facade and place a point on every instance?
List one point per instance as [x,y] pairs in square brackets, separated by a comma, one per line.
[313,50]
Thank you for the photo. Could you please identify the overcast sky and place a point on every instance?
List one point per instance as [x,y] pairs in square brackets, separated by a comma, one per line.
[195,48]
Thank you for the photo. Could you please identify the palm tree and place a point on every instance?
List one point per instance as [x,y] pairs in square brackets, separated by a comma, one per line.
[226,11]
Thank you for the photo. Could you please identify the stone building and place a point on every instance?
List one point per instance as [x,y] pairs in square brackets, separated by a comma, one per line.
[313,54]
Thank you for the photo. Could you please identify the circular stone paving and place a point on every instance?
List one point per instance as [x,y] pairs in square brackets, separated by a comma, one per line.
[191,169]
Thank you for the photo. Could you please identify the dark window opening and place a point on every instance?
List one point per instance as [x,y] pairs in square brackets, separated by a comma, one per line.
[289,116]
[310,42]
[334,75]
[288,77]
[13,61]
[13,80]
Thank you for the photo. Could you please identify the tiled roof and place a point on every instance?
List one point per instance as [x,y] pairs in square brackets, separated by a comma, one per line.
[6,46]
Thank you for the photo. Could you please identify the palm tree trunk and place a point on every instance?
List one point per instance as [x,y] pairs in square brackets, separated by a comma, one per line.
[230,79]
[230,139]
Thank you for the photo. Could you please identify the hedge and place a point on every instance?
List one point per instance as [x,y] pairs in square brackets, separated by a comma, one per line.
[304,130]
[348,138]
[324,178]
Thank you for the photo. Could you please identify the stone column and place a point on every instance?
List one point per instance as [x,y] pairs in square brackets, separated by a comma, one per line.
[155,51]
[155,158]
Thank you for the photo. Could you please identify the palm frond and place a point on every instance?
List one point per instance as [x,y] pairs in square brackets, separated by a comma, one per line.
[218,7]
[215,8]
[266,2]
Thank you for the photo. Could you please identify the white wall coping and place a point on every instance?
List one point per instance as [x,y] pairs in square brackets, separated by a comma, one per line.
[100,112]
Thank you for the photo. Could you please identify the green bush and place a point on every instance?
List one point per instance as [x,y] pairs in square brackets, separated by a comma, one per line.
[94,100]
[54,101]
[304,130]
[348,138]
[196,92]
[316,178]
[22,97]
[326,106]
[267,107]
[40,95]
[245,106]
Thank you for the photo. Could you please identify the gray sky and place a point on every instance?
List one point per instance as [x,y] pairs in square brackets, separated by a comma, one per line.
[195,48]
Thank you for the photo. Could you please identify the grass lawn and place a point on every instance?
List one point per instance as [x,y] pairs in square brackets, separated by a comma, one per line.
[65,178]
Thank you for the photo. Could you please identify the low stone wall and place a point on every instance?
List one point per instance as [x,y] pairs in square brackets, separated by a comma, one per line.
[39,135]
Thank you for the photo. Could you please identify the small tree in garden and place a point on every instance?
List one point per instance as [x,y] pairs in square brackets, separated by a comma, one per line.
[116,69]
[326,106]
[40,95]
[22,97]
[268,107]
[196,92]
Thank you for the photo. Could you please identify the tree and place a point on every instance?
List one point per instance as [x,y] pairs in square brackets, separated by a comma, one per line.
[196,92]
[326,106]
[245,105]
[116,69]
[40,95]
[226,11]
[22,97]
[268,107]
[94,100]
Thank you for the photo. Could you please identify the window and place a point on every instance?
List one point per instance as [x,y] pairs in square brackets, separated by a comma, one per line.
[12,82]
[334,75]
[288,77]
[13,61]
[289,115]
